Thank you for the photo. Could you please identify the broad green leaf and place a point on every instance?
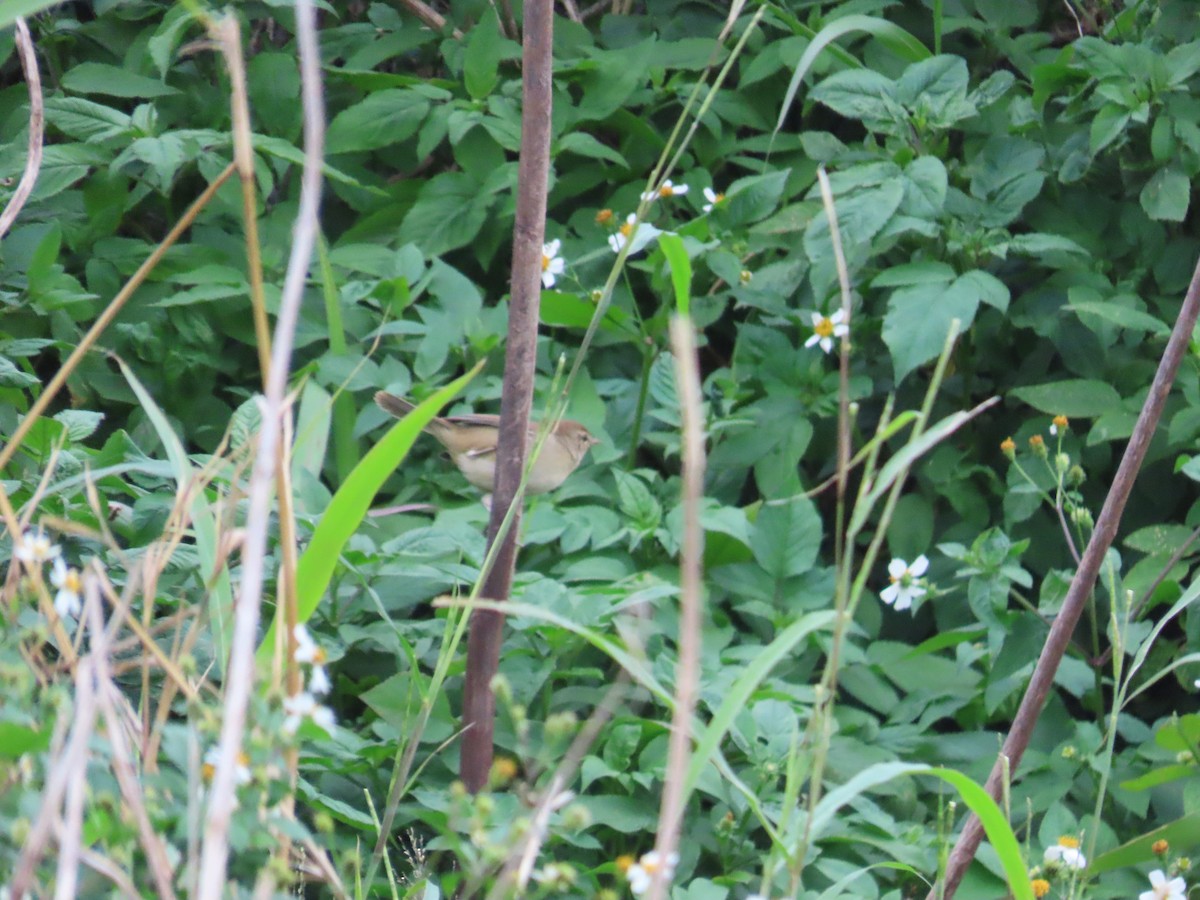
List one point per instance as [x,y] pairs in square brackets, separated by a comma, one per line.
[86,120]
[349,506]
[11,10]
[863,95]
[383,119]
[1123,316]
[584,144]
[1166,195]
[751,199]
[449,213]
[101,78]
[481,66]
[918,318]
[1076,397]
[786,537]
[937,89]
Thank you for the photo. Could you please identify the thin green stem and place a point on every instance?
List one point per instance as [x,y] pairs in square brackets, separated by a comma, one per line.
[648,355]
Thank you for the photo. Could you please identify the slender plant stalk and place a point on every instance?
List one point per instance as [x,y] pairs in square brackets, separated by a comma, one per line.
[691,599]
[1085,577]
[240,676]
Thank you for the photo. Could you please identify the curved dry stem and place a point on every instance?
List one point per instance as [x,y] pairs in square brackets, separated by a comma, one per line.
[37,128]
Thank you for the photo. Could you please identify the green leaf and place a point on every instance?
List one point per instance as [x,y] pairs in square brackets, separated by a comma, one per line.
[449,213]
[1183,832]
[900,42]
[583,144]
[918,318]
[481,68]
[786,537]
[738,695]
[80,423]
[1107,125]
[1166,195]
[1076,397]
[863,95]
[101,78]
[753,198]
[350,504]
[384,118]
[1122,316]
[681,270]
[86,120]
[999,832]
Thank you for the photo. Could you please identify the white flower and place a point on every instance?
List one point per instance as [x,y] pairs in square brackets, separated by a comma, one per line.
[70,586]
[715,199]
[318,681]
[666,189]
[826,328]
[641,872]
[1161,889]
[1066,852]
[304,706]
[636,234]
[37,548]
[553,265]
[241,769]
[308,651]
[904,588]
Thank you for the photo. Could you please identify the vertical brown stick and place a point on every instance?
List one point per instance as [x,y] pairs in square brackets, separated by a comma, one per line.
[1081,585]
[487,626]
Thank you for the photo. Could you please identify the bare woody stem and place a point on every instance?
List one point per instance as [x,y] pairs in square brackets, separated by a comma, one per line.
[487,626]
[1081,585]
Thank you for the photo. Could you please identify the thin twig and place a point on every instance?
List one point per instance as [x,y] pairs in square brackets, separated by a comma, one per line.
[240,676]
[85,344]
[122,764]
[1081,585]
[37,128]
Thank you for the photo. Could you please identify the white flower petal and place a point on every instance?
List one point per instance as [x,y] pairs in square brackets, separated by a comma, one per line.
[919,567]
[897,568]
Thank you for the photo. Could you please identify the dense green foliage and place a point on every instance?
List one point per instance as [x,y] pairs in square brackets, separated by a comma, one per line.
[989,165]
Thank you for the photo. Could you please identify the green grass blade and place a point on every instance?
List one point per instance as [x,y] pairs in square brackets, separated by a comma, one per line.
[745,685]
[892,36]
[350,504]
[999,833]
[681,270]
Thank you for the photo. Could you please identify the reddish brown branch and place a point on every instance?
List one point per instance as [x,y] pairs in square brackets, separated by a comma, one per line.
[1082,584]
[487,626]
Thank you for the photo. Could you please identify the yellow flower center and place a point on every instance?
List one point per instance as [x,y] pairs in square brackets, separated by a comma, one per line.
[545,262]
[72,582]
[1066,841]
[623,862]
[626,229]
[824,328]
[1040,887]
[666,190]
[719,198]
[604,216]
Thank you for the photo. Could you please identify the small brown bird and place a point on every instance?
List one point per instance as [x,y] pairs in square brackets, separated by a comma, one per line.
[471,443]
